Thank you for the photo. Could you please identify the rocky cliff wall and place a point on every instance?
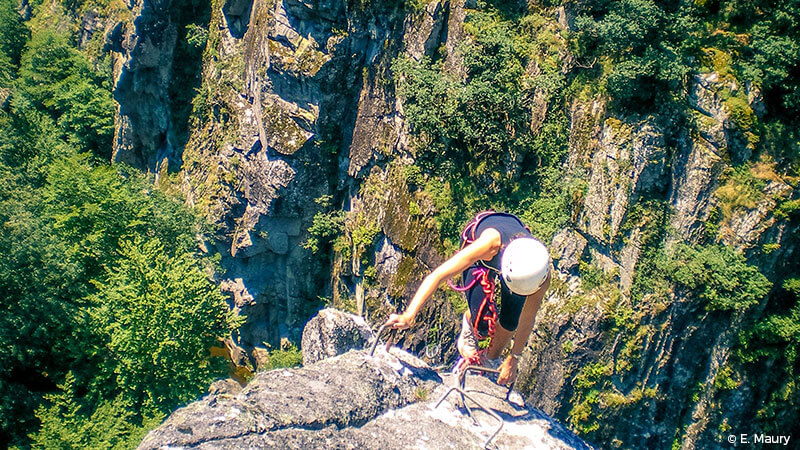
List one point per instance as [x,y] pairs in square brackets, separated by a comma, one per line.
[298,118]
[651,184]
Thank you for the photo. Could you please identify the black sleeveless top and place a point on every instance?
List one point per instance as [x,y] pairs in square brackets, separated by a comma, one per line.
[509,226]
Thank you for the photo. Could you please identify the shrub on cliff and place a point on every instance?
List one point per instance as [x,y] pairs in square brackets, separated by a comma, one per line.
[64,253]
[150,327]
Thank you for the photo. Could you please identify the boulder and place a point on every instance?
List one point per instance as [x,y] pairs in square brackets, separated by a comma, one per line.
[358,401]
[282,408]
[332,332]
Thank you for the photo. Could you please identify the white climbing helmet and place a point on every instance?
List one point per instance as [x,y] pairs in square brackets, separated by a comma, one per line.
[525,265]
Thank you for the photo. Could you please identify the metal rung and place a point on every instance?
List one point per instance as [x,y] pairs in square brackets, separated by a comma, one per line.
[462,378]
[488,411]
[377,338]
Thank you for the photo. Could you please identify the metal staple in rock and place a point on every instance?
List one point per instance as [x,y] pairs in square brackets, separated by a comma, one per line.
[487,410]
[377,338]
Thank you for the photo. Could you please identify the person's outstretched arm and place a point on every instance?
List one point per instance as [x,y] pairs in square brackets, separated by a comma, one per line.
[485,247]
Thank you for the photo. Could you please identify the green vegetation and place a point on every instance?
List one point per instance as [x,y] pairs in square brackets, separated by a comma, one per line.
[192,18]
[288,355]
[57,80]
[325,226]
[474,143]
[712,278]
[772,347]
[109,313]
[642,50]
[716,275]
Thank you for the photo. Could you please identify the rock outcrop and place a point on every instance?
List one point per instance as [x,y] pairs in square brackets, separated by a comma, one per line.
[357,401]
[332,332]
[143,49]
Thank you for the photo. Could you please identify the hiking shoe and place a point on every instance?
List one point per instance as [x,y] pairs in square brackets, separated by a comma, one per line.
[467,343]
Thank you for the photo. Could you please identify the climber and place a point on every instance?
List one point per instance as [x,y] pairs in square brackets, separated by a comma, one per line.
[493,245]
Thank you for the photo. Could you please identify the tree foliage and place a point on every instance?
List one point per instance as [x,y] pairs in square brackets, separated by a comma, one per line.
[718,275]
[150,326]
[57,79]
[87,354]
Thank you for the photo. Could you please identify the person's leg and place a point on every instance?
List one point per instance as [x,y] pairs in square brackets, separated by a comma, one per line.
[508,317]
[467,343]
[500,340]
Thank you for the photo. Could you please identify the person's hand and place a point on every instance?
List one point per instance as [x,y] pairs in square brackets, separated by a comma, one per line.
[508,371]
[400,321]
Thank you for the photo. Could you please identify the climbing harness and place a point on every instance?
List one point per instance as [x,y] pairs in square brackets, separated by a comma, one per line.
[487,311]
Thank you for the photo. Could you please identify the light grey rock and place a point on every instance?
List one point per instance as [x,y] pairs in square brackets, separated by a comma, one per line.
[746,228]
[344,391]
[695,176]
[700,160]
[5,96]
[143,54]
[227,386]
[423,30]
[387,261]
[357,401]
[241,297]
[332,332]
[628,257]
[456,36]
[629,159]
[567,249]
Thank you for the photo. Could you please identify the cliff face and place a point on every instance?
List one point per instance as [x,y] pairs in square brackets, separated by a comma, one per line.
[659,369]
[298,118]
[144,50]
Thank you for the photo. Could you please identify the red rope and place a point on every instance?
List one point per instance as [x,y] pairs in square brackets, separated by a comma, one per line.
[486,312]
[480,275]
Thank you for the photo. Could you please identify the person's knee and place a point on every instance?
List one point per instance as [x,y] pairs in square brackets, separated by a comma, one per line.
[509,321]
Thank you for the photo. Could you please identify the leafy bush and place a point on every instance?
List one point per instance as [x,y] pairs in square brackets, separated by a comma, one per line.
[718,275]
[324,228]
[482,121]
[288,355]
[58,80]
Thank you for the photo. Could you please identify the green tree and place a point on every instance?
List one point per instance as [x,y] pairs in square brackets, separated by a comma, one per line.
[151,325]
[718,275]
[57,79]
[158,316]
[63,221]
[13,33]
